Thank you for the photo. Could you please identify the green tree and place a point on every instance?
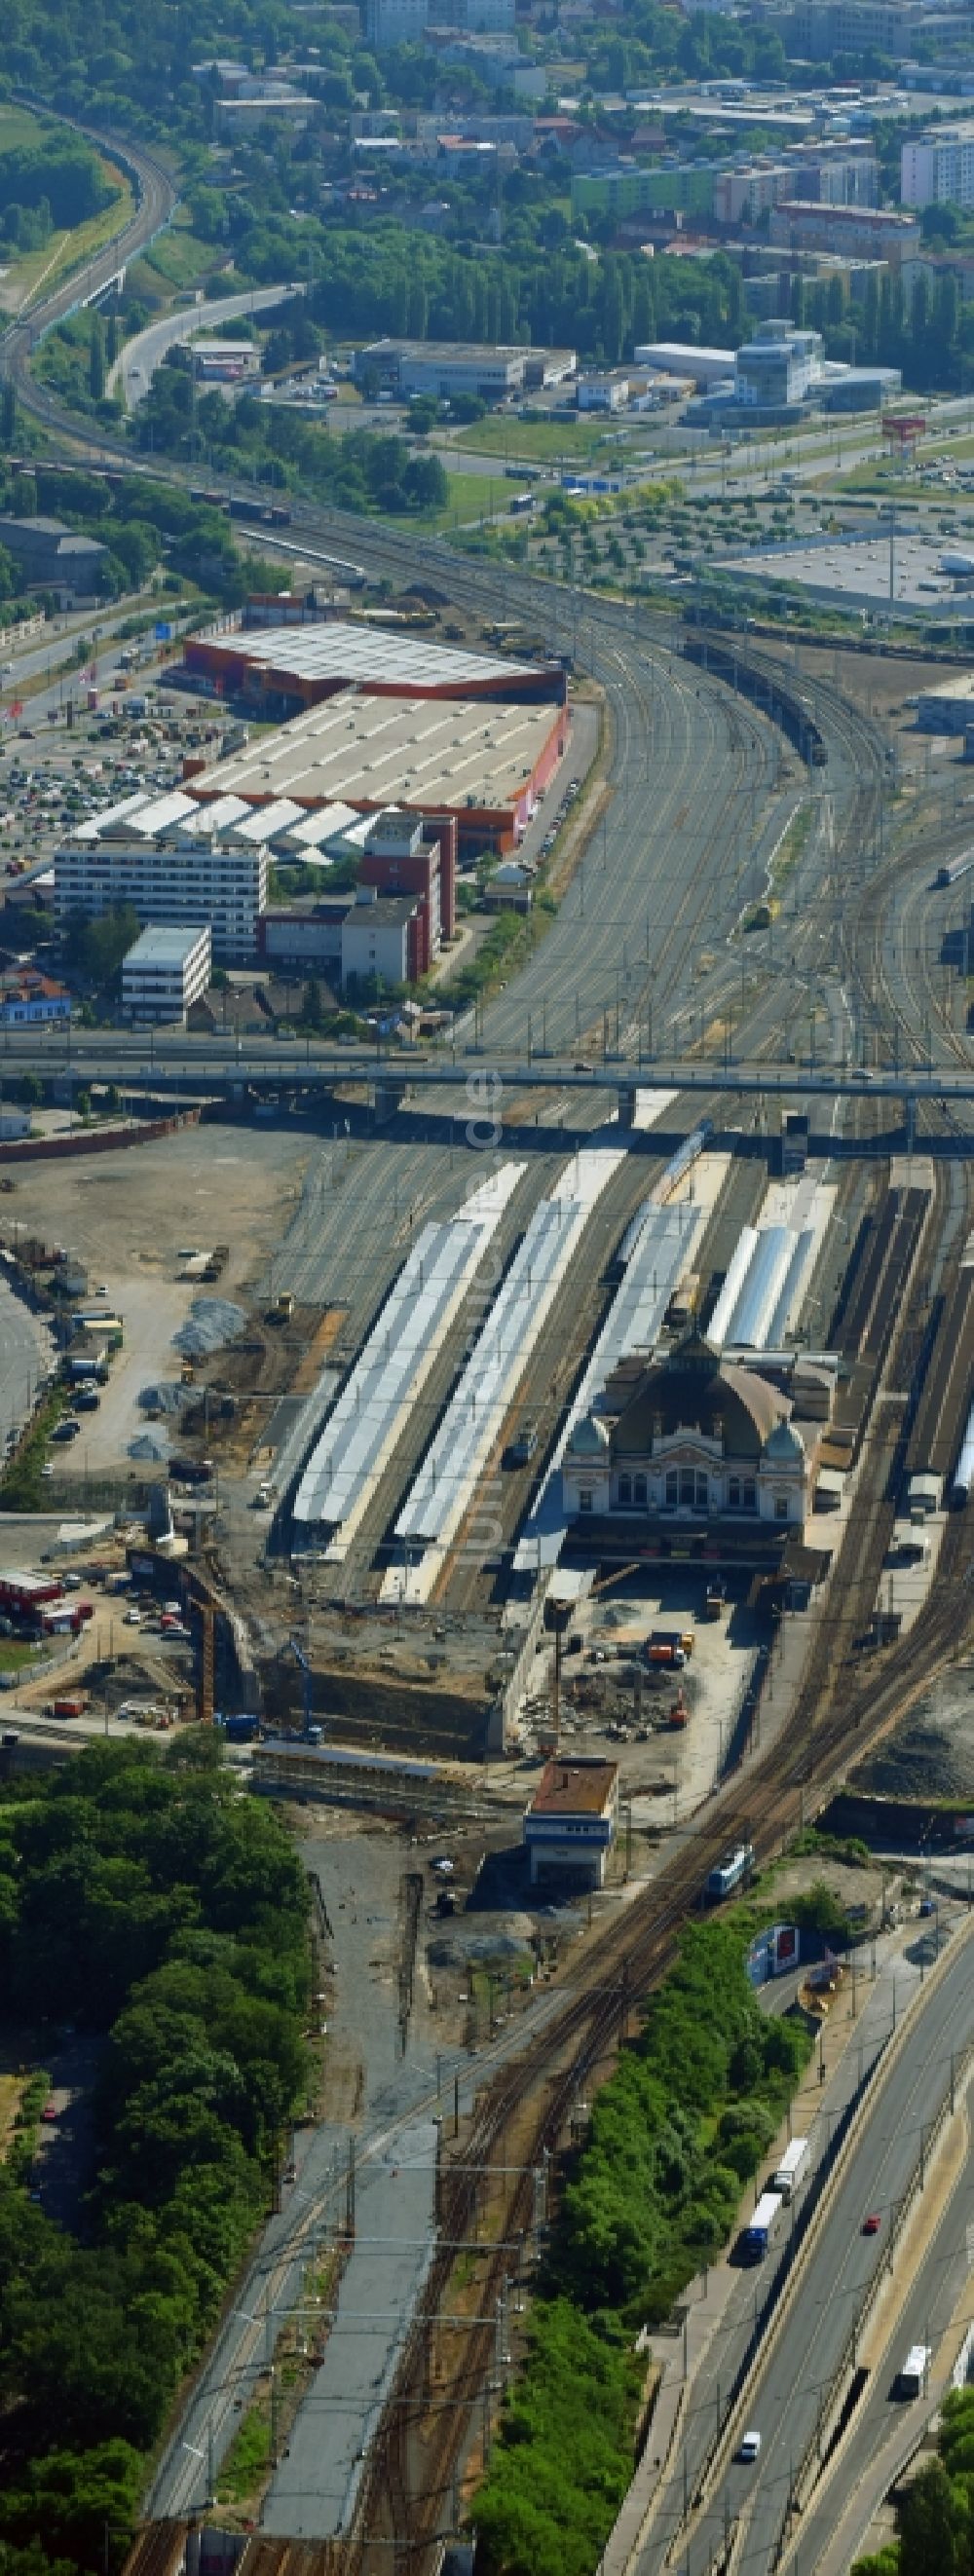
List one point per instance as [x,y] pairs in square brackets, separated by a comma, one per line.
[95,948]
[930,2525]
[96,362]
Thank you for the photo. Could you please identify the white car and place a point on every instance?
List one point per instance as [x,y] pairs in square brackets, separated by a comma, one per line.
[131,1618]
[750,2446]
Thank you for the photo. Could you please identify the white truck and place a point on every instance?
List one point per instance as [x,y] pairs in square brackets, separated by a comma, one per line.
[792,2169]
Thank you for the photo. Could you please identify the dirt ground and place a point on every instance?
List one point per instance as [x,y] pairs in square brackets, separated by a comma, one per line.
[874,683]
[127,1216]
[932,1754]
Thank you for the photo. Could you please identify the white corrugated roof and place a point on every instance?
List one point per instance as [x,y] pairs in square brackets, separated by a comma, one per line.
[473,1421]
[338,650]
[371,1413]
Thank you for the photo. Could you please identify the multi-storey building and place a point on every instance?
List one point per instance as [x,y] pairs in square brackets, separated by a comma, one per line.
[779,366]
[165,972]
[176,875]
[938,169]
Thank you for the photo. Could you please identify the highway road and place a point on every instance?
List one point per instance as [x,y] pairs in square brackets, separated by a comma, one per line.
[885,2433]
[134,369]
[794,2383]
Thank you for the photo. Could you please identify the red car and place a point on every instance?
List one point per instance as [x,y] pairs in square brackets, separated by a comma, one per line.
[871,2225]
[49,2111]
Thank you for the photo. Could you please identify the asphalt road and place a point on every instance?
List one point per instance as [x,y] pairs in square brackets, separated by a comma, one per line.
[796,2381]
[134,369]
[887,2429]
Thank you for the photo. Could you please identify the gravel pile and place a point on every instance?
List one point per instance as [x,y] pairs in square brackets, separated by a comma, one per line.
[931,1756]
[149,1446]
[166,1398]
[210,1324]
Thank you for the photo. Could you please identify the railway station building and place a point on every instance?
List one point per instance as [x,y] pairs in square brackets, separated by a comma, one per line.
[692,1455]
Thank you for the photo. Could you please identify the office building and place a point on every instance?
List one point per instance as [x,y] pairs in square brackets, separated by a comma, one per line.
[821,28]
[778,367]
[166,971]
[174,873]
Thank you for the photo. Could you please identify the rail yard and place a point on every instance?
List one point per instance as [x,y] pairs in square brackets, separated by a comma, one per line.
[606,1402]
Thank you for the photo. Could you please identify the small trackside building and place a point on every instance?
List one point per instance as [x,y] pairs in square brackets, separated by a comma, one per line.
[166,970]
[570,1822]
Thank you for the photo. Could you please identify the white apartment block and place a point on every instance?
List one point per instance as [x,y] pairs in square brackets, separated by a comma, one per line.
[172,876]
[165,972]
[938,169]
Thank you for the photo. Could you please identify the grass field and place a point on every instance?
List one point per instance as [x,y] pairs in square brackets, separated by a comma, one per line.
[539,442]
[471,497]
[14,1655]
[180,259]
[18,127]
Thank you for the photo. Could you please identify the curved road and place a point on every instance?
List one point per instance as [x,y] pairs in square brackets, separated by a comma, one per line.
[134,369]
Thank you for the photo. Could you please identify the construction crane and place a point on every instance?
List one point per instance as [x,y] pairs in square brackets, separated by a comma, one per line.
[562,1614]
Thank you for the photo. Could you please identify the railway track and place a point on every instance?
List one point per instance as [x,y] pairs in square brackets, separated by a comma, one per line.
[405,2501]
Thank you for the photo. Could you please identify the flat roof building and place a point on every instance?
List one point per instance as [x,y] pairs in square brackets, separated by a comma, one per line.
[779,366]
[680,358]
[281,669]
[223,357]
[880,232]
[166,970]
[445,367]
[172,876]
[938,169]
[570,1822]
[898,575]
[379,939]
[486,766]
[949,706]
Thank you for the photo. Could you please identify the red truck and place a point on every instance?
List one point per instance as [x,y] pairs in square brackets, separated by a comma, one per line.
[68,1704]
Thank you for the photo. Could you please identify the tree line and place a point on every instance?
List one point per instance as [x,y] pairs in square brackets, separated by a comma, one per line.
[935,2511]
[928,333]
[649,2199]
[147,1906]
